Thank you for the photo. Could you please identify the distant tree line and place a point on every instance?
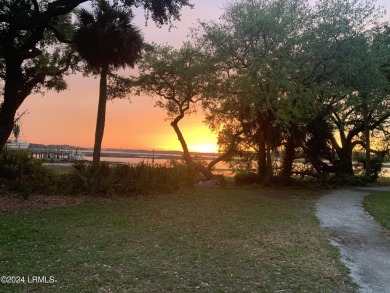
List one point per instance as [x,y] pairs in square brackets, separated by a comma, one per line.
[298,89]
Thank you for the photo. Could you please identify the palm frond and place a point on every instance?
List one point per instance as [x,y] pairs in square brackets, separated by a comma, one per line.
[107,37]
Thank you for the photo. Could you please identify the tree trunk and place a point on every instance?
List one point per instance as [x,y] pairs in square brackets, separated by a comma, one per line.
[289,154]
[344,165]
[269,172]
[7,118]
[262,157]
[367,138]
[101,116]
[187,156]
[14,95]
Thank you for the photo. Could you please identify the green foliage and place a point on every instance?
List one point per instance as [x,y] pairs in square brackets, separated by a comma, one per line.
[46,57]
[348,180]
[21,173]
[287,68]
[376,164]
[126,180]
[161,11]
[188,174]
[177,77]
[246,178]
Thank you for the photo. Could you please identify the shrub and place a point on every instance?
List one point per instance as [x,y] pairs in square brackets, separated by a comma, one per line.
[22,173]
[246,178]
[125,179]
[348,180]
[183,174]
[376,164]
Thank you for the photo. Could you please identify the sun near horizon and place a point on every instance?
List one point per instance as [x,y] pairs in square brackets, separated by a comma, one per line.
[198,137]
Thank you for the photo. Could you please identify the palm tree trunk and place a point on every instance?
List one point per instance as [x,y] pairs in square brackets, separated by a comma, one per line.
[101,116]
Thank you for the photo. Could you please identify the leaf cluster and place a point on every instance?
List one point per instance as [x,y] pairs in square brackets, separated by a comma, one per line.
[178,77]
[116,42]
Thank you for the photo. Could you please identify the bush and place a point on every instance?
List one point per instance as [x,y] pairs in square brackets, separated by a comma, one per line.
[125,179]
[24,174]
[246,178]
[376,164]
[348,180]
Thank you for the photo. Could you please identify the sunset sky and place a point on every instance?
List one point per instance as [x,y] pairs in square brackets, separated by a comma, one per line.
[69,117]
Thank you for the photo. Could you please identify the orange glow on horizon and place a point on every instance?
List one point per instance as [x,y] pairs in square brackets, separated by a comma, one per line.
[205,148]
[69,118]
[198,137]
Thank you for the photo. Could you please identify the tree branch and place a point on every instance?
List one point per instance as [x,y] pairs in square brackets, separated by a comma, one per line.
[230,149]
[36,6]
[68,63]
[32,53]
[58,35]
[363,144]
[374,125]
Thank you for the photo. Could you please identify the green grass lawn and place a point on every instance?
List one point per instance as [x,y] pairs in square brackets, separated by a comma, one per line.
[378,205]
[201,240]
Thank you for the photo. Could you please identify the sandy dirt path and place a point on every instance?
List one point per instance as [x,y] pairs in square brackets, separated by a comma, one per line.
[364,245]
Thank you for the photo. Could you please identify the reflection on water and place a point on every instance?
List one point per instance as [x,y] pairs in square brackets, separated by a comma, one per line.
[219,166]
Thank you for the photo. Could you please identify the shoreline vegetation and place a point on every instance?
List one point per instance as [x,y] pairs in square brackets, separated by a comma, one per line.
[22,173]
[120,155]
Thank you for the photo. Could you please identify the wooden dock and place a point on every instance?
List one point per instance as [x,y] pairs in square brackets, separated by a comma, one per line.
[54,154]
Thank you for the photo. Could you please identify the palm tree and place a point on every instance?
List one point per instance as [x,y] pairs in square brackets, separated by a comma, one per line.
[107,41]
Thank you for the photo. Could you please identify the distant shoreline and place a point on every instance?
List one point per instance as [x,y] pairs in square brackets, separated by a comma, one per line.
[125,153]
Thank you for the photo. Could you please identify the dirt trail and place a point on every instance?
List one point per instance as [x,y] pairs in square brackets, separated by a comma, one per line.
[363,243]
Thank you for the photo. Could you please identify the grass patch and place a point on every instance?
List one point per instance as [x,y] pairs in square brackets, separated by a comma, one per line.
[378,205]
[205,240]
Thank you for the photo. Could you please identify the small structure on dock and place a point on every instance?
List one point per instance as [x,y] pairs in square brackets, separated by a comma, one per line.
[56,153]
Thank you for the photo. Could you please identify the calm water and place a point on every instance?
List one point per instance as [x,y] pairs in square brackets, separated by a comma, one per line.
[219,166]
